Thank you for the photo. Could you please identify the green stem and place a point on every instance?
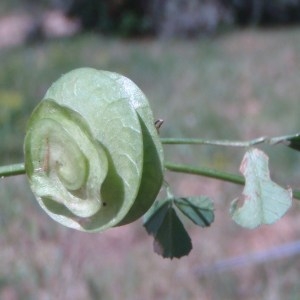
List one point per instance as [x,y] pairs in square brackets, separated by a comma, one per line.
[207,172]
[12,170]
[186,141]
[228,143]
[19,169]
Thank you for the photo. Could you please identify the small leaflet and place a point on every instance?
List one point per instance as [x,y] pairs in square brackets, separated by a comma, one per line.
[294,142]
[200,210]
[170,237]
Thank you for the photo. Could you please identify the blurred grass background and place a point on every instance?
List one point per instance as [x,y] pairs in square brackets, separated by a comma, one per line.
[240,85]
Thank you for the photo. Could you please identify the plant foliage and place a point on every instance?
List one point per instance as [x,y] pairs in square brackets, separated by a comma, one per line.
[94,160]
[163,223]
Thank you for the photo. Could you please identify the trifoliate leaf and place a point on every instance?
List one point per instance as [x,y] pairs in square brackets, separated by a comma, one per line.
[200,210]
[263,201]
[170,238]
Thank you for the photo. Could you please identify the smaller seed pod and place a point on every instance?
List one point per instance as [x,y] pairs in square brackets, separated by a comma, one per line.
[92,152]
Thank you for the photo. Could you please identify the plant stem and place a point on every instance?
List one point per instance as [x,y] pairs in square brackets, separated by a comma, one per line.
[12,170]
[19,169]
[228,143]
[207,172]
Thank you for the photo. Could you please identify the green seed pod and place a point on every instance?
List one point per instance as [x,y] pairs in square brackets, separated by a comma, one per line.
[92,153]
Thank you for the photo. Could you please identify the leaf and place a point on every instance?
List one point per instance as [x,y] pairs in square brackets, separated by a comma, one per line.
[199,210]
[263,201]
[170,238]
[155,216]
[294,142]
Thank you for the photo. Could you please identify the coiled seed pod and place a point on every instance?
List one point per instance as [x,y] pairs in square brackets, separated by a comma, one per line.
[92,153]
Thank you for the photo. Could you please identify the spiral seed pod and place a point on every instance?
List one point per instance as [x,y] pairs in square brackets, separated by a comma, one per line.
[92,153]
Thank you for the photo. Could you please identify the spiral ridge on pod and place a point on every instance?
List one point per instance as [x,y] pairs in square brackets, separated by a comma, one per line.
[92,153]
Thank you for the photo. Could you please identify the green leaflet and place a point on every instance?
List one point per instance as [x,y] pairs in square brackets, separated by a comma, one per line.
[170,237]
[294,142]
[92,153]
[200,210]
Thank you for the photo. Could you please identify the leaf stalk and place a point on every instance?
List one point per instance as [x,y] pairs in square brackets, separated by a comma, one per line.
[229,143]
[212,173]
[12,170]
